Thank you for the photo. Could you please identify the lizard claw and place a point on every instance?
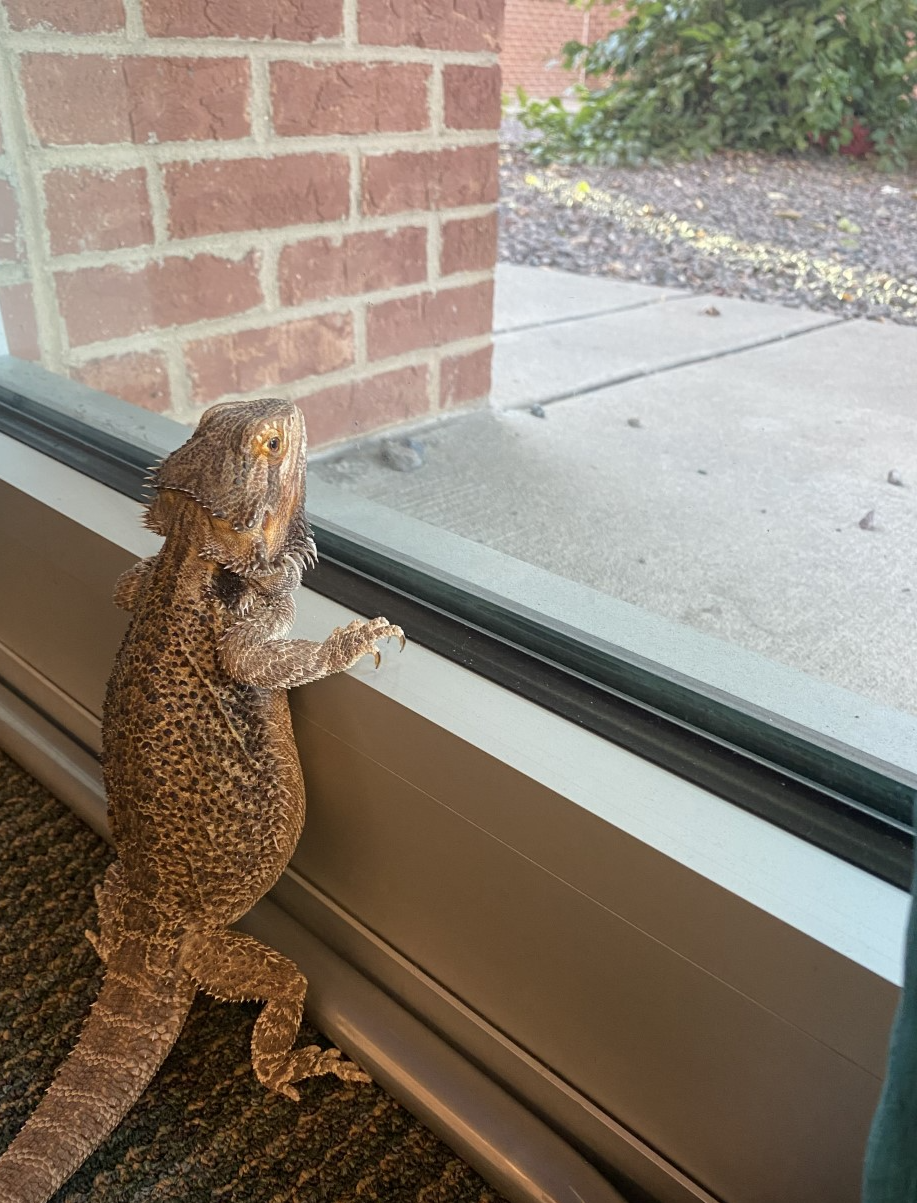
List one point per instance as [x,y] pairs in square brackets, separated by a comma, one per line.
[381,628]
[359,638]
[308,1063]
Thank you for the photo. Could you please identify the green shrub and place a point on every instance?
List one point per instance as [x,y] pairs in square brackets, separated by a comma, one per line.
[692,76]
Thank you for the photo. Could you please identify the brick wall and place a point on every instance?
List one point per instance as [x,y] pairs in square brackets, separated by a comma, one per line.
[291,197]
[534,33]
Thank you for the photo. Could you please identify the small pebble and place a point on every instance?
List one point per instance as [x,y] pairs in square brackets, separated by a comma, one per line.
[710,311]
[537,411]
[402,455]
[895,478]
[635,422]
[701,471]
[868,521]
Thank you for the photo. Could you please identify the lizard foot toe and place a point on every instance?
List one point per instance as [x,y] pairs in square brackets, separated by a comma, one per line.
[381,628]
[309,1062]
[96,941]
[359,639]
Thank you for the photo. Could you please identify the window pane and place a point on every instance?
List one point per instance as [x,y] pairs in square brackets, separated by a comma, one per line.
[663,438]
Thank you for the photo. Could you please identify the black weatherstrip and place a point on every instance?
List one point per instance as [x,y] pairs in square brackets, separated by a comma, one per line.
[94,452]
[841,825]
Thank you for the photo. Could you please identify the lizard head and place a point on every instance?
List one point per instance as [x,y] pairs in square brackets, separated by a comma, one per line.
[243,473]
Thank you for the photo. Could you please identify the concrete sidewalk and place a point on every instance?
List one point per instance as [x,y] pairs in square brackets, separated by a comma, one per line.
[707,459]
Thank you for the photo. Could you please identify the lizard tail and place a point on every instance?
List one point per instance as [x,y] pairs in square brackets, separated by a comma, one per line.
[133,1024]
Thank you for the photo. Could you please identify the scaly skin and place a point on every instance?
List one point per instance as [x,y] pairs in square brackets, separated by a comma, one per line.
[205,792]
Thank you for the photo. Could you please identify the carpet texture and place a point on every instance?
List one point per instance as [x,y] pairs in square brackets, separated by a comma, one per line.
[205,1129]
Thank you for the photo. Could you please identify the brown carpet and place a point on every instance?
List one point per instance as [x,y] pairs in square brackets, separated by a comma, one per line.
[205,1129]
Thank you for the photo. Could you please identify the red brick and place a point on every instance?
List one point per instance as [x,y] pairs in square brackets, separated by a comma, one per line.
[9,222]
[140,378]
[179,99]
[135,99]
[429,179]
[96,210]
[349,98]
[469,244]
[254,359]
[253,194]
[472,97]
[428,319]
[110,302]
[283,20]
[465,378]
[356,263]
[533,34]
[350,410]
[97,90]
[66,16]
[20,324]
[432,24]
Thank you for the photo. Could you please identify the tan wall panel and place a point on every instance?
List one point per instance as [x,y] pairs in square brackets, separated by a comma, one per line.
[695,1067]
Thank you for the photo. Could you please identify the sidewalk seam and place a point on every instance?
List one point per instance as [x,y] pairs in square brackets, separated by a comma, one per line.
[643,374]
[584,317]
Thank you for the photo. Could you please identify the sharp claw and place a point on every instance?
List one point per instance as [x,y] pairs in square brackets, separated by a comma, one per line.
[359,1076]
[403,641]
[377,656]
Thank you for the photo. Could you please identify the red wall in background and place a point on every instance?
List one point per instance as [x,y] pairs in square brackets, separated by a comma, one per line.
[534,32]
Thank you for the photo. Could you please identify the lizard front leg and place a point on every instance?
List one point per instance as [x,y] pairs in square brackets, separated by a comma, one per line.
[253,654]
[127,586]
[234,967]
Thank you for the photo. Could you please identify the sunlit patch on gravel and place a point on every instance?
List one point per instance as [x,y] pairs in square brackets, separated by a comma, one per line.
[803,231]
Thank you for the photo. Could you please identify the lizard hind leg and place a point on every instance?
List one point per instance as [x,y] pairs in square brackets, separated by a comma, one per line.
[234,967]
[106,895]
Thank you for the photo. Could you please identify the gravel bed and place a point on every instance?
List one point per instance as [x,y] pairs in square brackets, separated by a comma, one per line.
[800,230]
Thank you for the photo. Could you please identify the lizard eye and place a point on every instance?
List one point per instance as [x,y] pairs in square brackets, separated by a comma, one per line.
[271,441]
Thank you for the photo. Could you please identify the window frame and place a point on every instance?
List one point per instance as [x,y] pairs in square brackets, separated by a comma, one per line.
[847,803]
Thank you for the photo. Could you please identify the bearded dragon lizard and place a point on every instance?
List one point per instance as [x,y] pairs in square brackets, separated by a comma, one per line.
[205,792]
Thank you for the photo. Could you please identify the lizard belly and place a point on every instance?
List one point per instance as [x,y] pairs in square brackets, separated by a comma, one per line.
[204,786]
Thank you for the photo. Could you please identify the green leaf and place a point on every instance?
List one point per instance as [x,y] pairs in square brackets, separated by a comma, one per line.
[694,75]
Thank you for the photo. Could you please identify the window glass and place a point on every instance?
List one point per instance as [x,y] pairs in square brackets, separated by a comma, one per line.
[680,395]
